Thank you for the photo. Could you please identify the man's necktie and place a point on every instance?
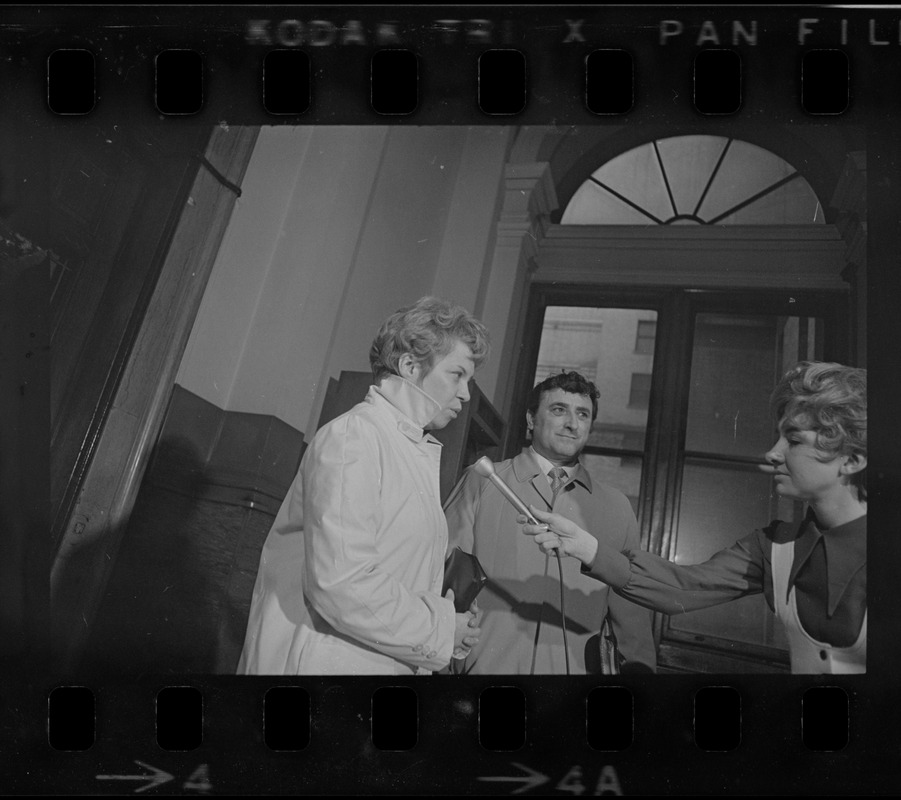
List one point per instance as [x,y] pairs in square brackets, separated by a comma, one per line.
[558,481]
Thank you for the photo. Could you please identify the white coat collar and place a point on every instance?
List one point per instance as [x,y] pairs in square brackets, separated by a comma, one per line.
[417,408]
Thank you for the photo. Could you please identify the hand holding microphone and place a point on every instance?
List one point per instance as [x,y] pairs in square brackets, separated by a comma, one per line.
[485,468]
[557,533]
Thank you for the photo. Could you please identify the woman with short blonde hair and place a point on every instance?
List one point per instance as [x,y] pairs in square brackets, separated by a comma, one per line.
[351,573]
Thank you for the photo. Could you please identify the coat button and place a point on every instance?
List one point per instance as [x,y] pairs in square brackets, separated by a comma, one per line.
[823,654]
[431,654]
[417,649]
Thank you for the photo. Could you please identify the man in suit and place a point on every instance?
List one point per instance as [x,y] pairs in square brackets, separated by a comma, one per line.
[521,627]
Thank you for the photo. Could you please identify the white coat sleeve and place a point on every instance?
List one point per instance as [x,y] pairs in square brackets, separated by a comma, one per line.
[343,579]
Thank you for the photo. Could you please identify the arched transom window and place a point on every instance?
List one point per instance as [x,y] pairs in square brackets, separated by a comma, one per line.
[695,180]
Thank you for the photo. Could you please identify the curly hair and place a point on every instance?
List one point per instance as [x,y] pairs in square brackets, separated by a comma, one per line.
[571,382]
[428,330]
[831,400]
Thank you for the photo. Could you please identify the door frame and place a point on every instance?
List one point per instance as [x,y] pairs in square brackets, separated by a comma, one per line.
[130,421]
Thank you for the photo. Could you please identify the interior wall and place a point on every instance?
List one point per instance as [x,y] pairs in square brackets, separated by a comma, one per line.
[471,231]
[398,245]
[336,228]
[210,362]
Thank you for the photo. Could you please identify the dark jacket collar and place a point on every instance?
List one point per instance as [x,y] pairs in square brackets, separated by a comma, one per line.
[846,553]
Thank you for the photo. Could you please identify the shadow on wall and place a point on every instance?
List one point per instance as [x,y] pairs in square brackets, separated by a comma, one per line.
[179,595]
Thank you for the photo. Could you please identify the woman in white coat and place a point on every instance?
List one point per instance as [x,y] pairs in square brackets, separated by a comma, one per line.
[351,572]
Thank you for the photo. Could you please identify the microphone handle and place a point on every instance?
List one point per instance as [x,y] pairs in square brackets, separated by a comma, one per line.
[518,504]
[507,492]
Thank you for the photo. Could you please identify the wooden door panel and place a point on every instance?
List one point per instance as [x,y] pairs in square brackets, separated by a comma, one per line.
[104,204]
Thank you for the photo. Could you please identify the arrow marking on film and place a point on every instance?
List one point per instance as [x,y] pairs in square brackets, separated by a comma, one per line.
[158,778]
[533,779]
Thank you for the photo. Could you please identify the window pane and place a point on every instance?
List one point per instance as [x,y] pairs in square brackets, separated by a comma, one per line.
[640,393]
[600,343]
[645,337]
[791,204]
[746,170]
[623,473]
[690,162]
[736,362]
[695,174]
[637,176]
[593,205]
[719,506]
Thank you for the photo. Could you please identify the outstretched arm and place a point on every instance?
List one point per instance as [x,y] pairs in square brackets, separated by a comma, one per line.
[650,580]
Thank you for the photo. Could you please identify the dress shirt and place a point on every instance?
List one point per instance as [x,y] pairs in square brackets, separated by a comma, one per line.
[546,466]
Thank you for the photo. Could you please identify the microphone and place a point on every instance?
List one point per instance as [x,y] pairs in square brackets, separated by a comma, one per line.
[485,468]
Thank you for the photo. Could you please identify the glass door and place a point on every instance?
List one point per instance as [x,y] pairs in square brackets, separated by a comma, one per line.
[736,359]
[685,378]
[614,348]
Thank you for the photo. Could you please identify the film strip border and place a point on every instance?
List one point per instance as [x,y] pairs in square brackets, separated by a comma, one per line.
[469,736]
[609,723]
[209,735]
[452,65]
[502,88]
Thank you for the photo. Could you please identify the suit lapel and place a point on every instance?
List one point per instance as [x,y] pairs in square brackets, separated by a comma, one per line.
[542,488]
[533,485]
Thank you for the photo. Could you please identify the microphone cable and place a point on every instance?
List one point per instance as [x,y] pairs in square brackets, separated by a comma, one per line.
[562,608]
[562,615]
[485,467]
[562,619]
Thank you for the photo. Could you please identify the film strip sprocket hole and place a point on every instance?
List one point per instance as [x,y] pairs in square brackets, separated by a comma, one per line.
[286,84]
[715,712]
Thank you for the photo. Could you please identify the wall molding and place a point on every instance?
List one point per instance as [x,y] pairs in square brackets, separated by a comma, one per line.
[793,257]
